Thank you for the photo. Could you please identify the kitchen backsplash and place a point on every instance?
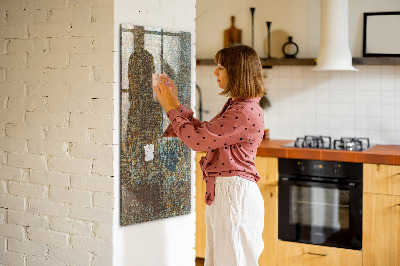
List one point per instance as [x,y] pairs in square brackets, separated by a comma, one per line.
[337,104]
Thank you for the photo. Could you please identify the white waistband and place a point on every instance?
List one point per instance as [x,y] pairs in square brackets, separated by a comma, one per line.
[228,179]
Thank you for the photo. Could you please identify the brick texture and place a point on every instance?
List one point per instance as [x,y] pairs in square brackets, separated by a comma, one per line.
[49,178]
[37,261]
[27,190]
[48,207]
[103,231]
[103,200]
[12,202]
[48,237]
[56,122]
[13,231]
[70,196]
[71,226]
[46,89]
[71,44]
[27,247]
[13,31]
[98,246]
[69,15]
[91,214]
[26,16]
[13,4]
[70,256]
[28,219]
[12,89]
[11,173]
[20,46]
[71,165]
[92,182]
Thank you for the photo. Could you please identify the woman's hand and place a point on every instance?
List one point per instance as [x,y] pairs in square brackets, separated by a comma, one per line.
[174,90]
[164,94]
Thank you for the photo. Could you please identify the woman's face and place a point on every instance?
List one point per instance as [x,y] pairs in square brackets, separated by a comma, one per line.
[222,76]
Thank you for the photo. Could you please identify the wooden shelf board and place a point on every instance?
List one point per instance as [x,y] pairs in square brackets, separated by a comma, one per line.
[312,61]
[376,61]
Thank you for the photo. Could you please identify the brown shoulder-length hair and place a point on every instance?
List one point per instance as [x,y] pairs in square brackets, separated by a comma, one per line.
[245,78]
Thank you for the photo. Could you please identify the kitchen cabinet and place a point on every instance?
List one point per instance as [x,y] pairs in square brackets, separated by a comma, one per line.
[381,215]
[381,221]
[267,167]
[270,233]
[381,179]
[381,230]
[200,209]
[298,254]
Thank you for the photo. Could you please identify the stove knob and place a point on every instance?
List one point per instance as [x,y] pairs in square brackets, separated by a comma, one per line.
[336,169]
[301,165]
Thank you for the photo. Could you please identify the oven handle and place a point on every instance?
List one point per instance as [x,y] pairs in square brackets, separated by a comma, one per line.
[297,181]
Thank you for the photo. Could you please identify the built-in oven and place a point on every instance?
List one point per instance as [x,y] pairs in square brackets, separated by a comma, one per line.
[320,202]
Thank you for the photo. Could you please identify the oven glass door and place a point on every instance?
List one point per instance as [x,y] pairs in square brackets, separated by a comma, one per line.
[318,207]
[319,213]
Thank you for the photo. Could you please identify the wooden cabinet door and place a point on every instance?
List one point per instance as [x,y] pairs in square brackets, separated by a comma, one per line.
[200,209]
[381,230]
[381,179]
[297,254]
[267,168]
[270,233]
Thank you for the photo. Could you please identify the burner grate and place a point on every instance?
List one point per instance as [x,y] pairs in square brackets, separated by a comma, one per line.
[324,142]
[320,142]
[351,144]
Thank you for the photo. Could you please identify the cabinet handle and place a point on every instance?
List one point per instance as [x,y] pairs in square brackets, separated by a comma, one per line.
[318,254]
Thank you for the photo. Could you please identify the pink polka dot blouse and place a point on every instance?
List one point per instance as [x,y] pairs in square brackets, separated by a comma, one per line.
[231,139]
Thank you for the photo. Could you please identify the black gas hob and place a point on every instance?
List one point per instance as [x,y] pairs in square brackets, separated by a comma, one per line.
[325,142]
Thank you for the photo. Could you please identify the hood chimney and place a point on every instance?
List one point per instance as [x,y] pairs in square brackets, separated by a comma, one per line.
[334,51]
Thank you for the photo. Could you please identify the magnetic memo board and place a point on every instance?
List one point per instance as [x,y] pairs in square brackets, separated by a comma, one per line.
[155,171]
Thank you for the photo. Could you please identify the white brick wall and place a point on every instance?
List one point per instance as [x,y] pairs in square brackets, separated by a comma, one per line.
[56,124]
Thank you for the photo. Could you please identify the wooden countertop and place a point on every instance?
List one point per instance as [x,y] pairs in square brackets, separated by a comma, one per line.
[379,154]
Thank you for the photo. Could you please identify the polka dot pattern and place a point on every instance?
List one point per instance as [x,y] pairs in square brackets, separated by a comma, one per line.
[231,139]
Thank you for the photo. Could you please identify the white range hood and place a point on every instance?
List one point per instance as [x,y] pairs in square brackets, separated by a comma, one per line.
[334,51]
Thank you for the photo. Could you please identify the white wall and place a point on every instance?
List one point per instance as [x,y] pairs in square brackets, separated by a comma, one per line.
[169,241]
[299,18]
[337,104]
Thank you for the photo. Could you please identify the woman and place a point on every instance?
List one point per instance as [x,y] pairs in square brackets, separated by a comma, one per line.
[235,207]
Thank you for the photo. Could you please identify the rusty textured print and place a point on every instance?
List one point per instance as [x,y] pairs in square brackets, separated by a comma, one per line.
[155,171]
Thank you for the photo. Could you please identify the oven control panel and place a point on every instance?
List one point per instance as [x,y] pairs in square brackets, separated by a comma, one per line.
[330,169]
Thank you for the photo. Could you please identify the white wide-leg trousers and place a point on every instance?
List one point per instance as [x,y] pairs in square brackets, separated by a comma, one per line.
[234,223]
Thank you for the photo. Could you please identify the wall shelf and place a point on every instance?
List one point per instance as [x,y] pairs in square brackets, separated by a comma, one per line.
[376,61]
[312,61]
[288,62]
